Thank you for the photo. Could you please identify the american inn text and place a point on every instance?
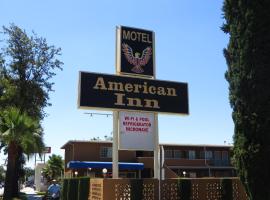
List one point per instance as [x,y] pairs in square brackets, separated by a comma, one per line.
[125,88]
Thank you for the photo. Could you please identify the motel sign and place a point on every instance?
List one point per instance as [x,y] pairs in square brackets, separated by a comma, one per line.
[133,94]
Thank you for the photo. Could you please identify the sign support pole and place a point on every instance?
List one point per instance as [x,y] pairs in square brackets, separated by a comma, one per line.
[115,168]
[156,150]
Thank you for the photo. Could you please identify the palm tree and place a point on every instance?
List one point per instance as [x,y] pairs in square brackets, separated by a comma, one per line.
[54,167]
[21,135]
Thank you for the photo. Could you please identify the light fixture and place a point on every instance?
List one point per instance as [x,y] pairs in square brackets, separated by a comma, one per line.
[104,170]
[184,173]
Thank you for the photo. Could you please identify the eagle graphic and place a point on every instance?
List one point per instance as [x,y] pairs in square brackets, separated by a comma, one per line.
[136,60]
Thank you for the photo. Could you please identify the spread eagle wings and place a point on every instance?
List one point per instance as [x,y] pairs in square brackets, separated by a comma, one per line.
[137,61]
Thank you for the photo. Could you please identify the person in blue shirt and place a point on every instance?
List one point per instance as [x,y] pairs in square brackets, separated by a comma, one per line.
[54,190]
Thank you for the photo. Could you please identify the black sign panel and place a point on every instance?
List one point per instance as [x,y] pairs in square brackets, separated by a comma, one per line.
[113,92]
[137,51]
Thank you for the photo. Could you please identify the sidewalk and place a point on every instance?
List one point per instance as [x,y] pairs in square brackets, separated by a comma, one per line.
[31,194]
[34,197]
[1,191]
[28,190]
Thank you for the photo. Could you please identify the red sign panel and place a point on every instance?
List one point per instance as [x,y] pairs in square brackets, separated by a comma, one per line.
[47,150]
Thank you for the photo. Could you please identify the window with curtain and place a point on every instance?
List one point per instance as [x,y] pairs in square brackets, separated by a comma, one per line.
[191,154]
[168,153]
[106,152]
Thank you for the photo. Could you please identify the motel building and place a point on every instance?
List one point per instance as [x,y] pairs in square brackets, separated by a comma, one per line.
[94,159]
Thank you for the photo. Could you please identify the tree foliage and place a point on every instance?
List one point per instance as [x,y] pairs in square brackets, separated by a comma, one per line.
[21,134]
[28,172]
[248,60]
[54,167]
[27,63]
[2,174]
[106,138]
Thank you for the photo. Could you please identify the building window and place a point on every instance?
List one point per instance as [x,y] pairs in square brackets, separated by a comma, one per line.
[191,155]
[139,153]
[217,155]
[202,154]
[209,155]
[127,174]
[106,152]
[197,155]
[185,154]
[225,155]
[177,154]
[168,154]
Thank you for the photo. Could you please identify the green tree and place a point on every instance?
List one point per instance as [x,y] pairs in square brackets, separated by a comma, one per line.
[106,138]
[54,167]
[248,60]
[27,172]
[21,134]
[2,173]
[27,64]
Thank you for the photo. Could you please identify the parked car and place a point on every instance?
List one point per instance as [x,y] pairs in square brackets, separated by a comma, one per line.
[30,184]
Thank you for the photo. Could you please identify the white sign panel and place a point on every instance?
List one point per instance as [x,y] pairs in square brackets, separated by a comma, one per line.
[136,131]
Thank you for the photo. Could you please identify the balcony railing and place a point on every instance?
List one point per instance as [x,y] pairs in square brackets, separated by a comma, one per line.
[219,162]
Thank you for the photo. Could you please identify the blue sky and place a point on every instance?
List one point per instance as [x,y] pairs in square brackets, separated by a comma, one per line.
[189,46]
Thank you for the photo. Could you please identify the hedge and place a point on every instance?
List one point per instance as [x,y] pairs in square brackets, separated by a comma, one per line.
[64,189]
[84,185]
[184,188]
[75,188]
[226,188]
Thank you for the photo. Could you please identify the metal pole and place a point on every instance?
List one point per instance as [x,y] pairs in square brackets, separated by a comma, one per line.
[156,153]
[156,150]
[115,144]
[162,171]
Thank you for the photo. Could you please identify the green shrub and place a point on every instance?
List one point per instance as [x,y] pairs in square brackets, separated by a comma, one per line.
[184,188]
[226,188]
[22,196]
[84,185]
[73,189]
[64,192]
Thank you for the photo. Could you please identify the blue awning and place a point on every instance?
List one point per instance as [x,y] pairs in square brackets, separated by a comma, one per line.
[101,165]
